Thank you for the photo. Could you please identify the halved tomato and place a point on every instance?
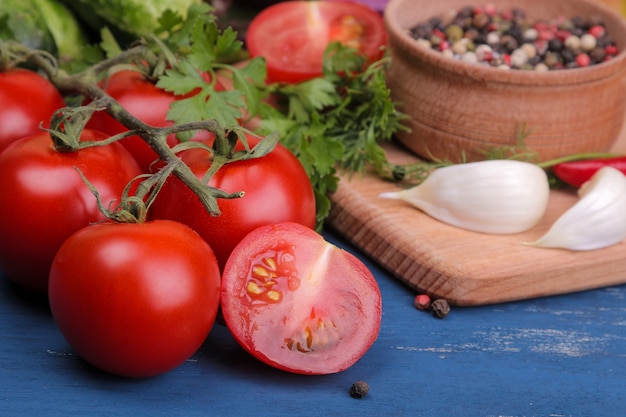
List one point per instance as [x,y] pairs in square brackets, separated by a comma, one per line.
[299,303]
[293,35]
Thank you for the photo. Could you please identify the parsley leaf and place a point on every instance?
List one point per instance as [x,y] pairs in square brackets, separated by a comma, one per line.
[334,123]
[202,49]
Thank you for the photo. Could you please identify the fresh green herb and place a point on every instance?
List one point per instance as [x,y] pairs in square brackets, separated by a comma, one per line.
[202,50]
[334,123]
[414,173]
[519,151]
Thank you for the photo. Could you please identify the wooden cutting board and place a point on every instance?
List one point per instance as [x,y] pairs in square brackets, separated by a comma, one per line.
[464,267]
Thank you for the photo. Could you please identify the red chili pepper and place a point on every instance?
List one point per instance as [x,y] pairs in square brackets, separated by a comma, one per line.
[576,173]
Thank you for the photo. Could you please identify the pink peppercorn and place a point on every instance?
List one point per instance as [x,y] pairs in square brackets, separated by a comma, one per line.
[563,34]
[611,50]
[583,60]
[597,31]
[545,34]
[440,34]
[422,302]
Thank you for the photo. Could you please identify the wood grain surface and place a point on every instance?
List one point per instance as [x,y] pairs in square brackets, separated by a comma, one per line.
[466,268]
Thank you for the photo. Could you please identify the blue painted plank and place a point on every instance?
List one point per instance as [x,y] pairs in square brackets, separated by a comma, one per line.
[556,356]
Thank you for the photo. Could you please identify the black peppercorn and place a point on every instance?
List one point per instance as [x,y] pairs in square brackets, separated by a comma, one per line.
[480,21]
[359,389]
[597,55]
[516,32]
[509,43]
[518,13]
[421,31]
[471,34]
[555,45]
[466,11]
[440,308]
[568,56]
[579,22]
[436,23]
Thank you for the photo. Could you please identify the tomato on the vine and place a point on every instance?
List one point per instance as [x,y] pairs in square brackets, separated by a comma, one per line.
[276,186]
[299,303]
[293,35]
[148,103]
[135,299]
[43,199]
[26,100]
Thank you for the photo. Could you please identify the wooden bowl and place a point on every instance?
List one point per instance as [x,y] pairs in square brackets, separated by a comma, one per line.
[460,110]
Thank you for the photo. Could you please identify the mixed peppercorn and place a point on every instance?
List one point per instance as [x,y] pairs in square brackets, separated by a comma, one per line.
[509,40]
[440,307]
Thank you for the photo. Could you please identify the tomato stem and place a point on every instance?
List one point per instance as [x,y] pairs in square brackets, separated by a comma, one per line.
[69,122]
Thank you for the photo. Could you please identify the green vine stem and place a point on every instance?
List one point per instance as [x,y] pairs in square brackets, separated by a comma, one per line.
[85,83]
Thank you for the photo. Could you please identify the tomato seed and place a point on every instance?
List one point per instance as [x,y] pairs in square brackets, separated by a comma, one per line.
[274,296]
[270,262]
[260,272]
[253,288]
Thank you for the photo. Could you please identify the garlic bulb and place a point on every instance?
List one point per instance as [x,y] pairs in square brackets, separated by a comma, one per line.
[494,196]
[597,220]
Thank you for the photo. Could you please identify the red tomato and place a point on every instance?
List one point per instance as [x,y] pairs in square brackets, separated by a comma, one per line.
[144,100]
[299,303]
[43,200]
[277,189]
[293,35]
[26,100]
[135,300]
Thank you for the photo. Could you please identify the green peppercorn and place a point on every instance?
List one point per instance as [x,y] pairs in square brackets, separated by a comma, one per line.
[454,33]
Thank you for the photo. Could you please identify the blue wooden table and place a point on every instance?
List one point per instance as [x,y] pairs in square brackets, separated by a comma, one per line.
[556,356]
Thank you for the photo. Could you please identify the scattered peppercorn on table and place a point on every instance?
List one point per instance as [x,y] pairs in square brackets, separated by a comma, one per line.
[561,355]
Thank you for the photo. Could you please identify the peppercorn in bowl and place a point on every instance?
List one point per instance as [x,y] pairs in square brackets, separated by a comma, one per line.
[540,77]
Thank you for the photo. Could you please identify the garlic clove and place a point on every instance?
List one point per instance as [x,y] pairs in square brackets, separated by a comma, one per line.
[494,196]
[596,221]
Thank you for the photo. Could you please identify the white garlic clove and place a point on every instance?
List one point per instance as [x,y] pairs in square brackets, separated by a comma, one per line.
[494,196]
[596,221]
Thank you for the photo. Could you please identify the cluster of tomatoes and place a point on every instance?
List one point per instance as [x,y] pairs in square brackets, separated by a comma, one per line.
[138,299]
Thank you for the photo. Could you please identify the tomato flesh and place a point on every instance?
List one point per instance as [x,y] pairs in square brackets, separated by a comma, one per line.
[135,300]
[299,303]
[293,35]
